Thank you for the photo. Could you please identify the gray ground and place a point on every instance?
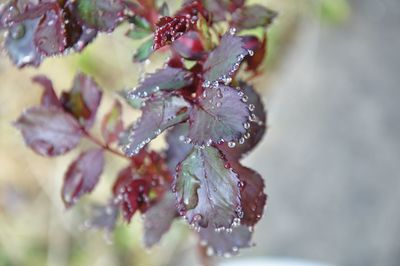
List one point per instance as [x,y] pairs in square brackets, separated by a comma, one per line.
[332,155]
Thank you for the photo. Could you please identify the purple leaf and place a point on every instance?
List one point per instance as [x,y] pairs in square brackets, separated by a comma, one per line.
[112,125]
[166,79]
[49,96]
[82,176]
[207,190]
[103,217]
[220,8]
[256,125]
[224,60]
[50,34]
[253,16]
[253,198]
[103,15]
[189,46]
[177,148]
[49,131]
[212,119]
[225,243]
[83,100]
[157,116]
[158,219]
[20,43]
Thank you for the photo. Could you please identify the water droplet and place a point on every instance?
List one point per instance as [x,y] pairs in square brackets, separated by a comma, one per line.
[251,52]
[245,98]
[232,31]
[219,93]
[241,140]
[17,32]
[206,84]
[251,107]
[246,135]
[231,144]
[210,251]
[246,125]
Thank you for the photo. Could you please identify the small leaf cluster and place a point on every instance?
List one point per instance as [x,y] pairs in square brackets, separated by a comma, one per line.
[211,115]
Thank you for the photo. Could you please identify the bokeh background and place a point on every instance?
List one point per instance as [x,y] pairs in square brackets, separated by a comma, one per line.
[331,158]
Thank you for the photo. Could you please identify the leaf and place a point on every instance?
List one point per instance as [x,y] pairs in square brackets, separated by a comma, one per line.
[49,96]
[253,198]
[137,33]
[112,125]
[82,176]
[50,33]
[189,46]
[225,243]
[212,119]
[144,51]
[220,8]
[142,184]
[142,28]
[158,219]
[256,125]
[207,192]
[83,100]
[225,60]
[157,116]
[259,49]
[164,9]
[135,103]
[177,150]
[253,16]
[165,79]
[103,15]
[103,217]
[20,45]
[49,131]
[130,193]
[170,29]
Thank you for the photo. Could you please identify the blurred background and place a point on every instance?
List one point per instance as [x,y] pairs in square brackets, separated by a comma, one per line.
[330,159]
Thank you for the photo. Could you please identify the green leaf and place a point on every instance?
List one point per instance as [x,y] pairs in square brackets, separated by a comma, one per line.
[144,51]
[135,103]
[207,190]
[141,30]
[102,15]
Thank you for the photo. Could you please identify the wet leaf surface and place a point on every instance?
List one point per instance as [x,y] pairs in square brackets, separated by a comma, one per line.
[207,190]
[157,116]
[225,60]
[256,125]
[225,243]
[165,79]
[212,120]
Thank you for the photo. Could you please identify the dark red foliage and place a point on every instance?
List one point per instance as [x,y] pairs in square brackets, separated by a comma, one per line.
[211,118]
[141,184]
[171,28]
